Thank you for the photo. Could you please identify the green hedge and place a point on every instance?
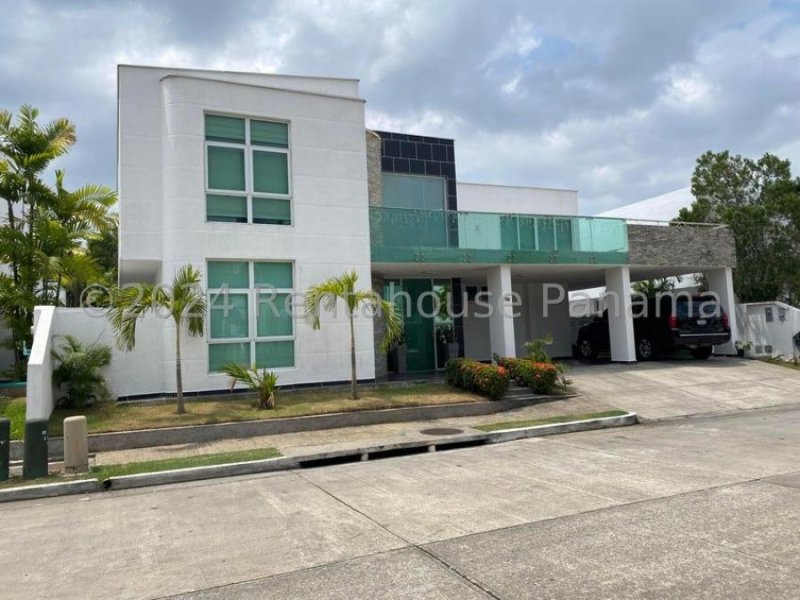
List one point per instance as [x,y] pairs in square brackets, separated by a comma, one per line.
[541,377]
[471,375]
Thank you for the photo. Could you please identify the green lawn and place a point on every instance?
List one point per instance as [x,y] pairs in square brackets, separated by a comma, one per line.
[548,421]
[14,409]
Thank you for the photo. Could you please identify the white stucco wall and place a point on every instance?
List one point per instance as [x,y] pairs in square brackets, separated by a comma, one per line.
[479,197]
[162,200]
[755,328]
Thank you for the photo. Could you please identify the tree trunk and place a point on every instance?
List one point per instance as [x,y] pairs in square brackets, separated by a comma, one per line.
[15,273]
[181,409]
[353,375]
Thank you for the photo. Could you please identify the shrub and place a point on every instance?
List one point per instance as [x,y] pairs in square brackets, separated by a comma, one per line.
[79,372]
[540,377]
[471,375]
[264,382]
[536,349]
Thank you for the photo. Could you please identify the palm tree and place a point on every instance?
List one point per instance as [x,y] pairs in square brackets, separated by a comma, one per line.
[26,150]
[328,293]
[184,301]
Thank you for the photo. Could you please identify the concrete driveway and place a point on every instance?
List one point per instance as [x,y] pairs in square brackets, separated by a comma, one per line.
[679,388]
[703,508]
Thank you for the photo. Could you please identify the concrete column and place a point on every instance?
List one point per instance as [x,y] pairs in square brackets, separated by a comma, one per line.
[620,315]
[501,321]
[720,281]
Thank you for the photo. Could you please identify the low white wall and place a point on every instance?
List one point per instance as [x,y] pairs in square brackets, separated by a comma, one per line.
[778,332]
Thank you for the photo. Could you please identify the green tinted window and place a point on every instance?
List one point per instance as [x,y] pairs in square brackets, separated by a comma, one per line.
[274,315]
[278,275]
[270,172]
[228,274]
[225,168]
[272,355]
[272,210]
[220,355]
[413,191]
[268,133]
[231,209]
[228,316]
[224,129]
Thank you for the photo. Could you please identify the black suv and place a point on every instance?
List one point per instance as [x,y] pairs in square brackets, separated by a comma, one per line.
[669,323]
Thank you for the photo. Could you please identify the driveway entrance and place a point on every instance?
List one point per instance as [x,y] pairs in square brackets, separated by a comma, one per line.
[677,388]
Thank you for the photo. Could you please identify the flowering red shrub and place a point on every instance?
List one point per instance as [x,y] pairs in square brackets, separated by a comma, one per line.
[541,377]
[483,379]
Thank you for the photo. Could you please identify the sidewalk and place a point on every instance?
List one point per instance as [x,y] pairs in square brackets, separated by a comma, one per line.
[294,444]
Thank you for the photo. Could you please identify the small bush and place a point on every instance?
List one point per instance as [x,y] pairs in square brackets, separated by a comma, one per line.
[79,373]
[471,375]
[540,377]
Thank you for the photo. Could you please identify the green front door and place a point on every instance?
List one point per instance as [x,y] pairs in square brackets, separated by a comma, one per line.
[418,328]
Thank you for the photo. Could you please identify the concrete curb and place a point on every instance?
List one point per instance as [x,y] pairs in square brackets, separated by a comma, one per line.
[317,459]
[48,490]
[196,434]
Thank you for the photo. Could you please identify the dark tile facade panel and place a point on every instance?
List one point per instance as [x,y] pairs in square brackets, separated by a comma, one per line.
[420,155]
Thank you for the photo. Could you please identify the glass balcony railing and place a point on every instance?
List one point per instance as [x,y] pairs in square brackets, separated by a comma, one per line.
[414,235]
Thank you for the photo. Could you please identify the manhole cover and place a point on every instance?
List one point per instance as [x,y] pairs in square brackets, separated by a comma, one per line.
[442,431]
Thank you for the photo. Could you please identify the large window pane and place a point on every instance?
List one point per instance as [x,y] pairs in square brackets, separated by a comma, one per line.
[220,355]
[272,210]
[274,315]
[230,209]
[278,275]
[413,191]
[225,168]
[270,172]
[224,129]
[228,316]
[272,355]
[268,133]
[228,274]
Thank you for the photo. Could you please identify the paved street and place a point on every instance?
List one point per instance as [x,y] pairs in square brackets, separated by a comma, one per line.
[703,508]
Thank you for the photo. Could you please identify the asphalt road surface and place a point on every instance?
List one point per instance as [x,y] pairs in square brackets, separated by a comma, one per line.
[702,508]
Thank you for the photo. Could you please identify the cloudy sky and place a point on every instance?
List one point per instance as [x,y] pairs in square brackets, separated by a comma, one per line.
[615,98]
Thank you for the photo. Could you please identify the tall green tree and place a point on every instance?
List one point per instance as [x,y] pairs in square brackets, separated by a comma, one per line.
[343,288]
[760,201]
[45,231]
[183,301]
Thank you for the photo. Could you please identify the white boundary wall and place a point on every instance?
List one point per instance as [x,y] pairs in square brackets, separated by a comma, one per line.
[778,333]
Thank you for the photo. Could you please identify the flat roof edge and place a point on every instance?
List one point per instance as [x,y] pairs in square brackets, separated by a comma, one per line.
[291,76]
[263,87]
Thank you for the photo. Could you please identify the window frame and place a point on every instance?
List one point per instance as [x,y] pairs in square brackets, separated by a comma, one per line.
[248,148]
[252,294]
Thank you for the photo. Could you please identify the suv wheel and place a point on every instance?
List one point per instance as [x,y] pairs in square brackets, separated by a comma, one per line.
[645,350]
[586,351]
[702,353]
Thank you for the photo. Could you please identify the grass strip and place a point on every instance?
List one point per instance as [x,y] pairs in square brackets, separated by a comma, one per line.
[109,416]
[103,472]
[488,427]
